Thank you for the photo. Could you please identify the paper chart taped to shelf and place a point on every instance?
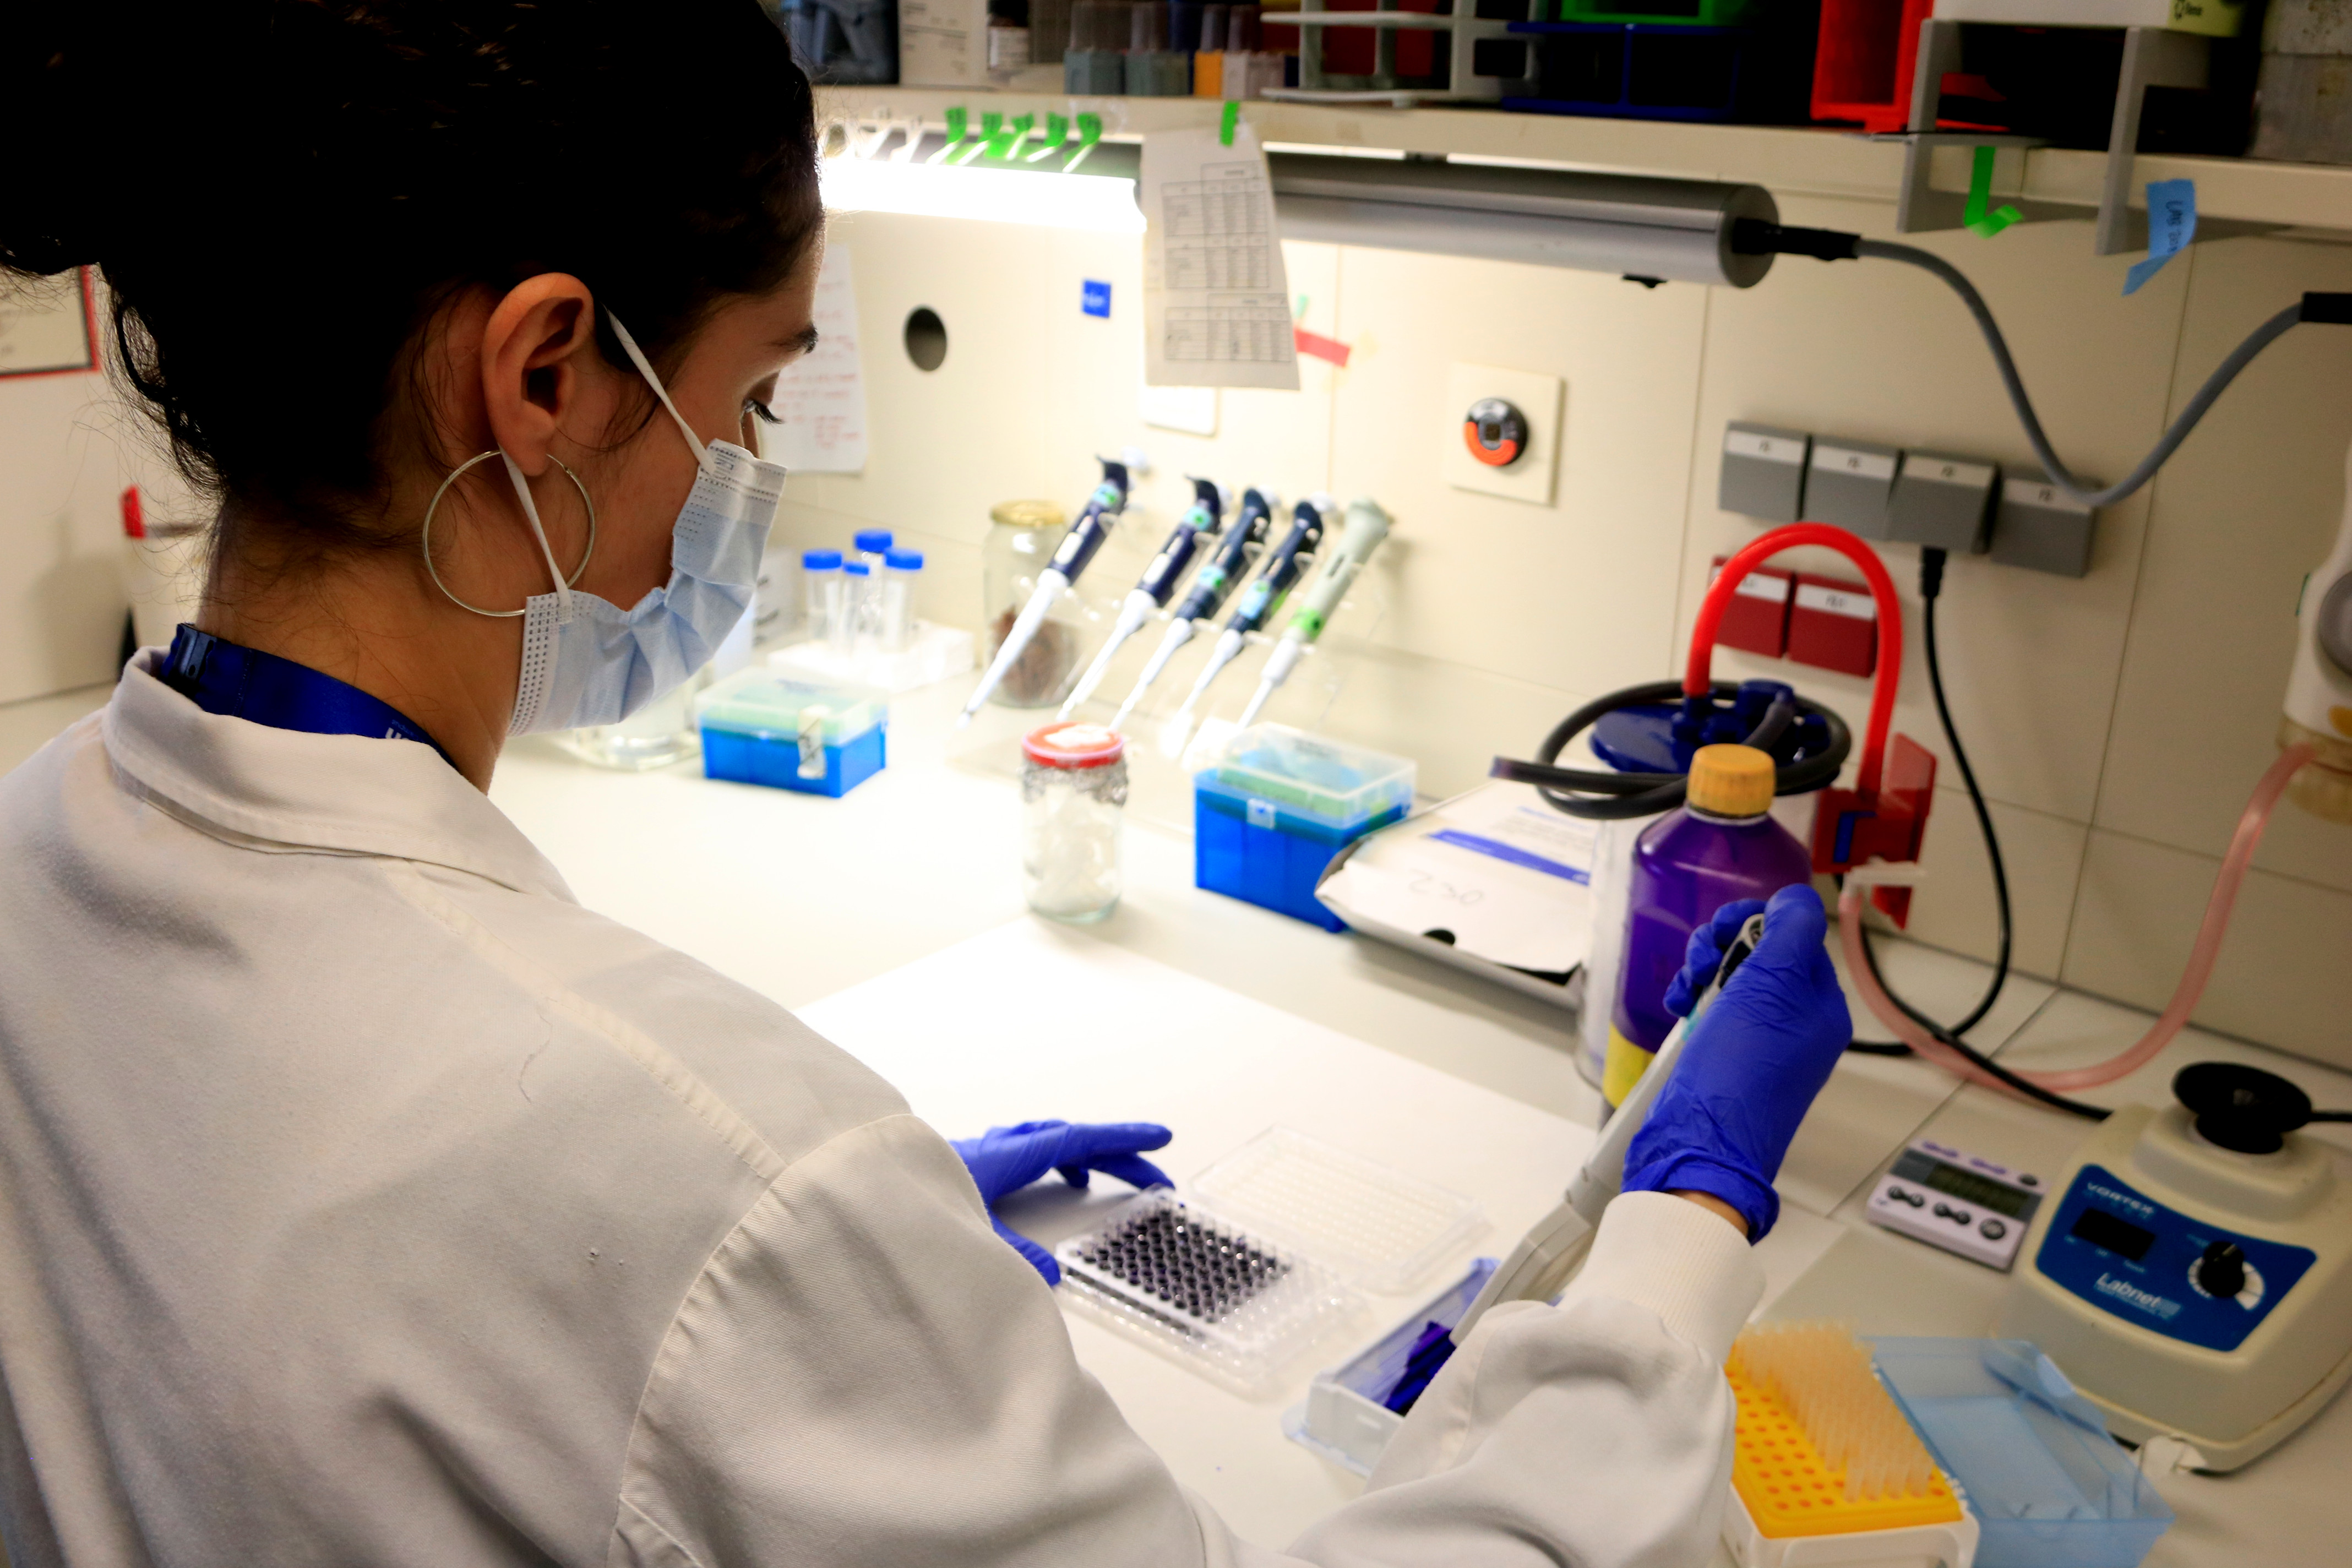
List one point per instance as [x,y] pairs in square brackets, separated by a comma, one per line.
[821,396]
[1216,303]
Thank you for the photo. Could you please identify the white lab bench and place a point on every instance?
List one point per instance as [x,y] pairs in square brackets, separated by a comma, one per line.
[800,897]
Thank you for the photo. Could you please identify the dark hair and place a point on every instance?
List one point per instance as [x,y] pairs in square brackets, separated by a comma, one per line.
[280,193]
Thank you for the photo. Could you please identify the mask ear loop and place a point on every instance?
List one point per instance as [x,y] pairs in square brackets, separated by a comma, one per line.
[644,368]
[530,512]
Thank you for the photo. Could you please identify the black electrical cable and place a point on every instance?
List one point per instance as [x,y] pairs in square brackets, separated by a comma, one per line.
[1931,588]
[1755,237]
[1602,795]
[2023,1085]
[2332,1116]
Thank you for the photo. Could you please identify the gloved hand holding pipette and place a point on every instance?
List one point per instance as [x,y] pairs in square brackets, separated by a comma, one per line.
[1752,1064]
[1003,1160]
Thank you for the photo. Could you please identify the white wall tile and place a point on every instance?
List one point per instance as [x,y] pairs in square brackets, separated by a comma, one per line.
[1954,908]
[2281,979]
[1882,352]
[1578,594]
[2247,509]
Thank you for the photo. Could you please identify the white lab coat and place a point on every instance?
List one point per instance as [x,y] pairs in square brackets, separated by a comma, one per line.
[363,1200]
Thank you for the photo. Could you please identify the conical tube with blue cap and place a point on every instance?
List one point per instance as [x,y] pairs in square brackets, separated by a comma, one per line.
[1218,576]
[1078,547]
[1157,585]
[1335,573]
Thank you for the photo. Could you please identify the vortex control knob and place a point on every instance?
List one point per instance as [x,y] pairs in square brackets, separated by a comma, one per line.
[2221,1270]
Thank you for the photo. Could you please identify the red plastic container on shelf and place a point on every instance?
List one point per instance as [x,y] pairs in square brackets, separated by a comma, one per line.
[1351,52]
[1867,53]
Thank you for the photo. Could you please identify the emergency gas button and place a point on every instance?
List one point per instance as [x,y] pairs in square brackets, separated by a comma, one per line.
[1495,432]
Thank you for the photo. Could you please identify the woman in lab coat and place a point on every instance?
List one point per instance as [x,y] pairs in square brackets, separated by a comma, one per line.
[364,1199]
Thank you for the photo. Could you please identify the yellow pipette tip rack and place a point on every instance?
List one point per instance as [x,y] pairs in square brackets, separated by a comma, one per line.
[1822,1450]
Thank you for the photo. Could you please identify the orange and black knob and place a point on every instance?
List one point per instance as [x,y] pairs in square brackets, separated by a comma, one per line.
[1495,432]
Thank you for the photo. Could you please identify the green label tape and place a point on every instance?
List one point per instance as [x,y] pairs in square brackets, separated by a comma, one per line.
[1231,123]
[1089,133]
[1979,215]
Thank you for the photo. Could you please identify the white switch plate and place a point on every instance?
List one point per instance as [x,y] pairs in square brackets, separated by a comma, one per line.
[1536,396]
[1191,409]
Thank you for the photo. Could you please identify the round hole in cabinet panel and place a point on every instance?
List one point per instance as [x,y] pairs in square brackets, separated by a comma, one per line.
[927,338]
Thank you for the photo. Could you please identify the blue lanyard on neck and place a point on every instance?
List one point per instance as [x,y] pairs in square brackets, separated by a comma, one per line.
[220,677]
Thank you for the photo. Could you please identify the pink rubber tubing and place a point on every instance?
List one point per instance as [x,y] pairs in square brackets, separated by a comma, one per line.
[2185,996]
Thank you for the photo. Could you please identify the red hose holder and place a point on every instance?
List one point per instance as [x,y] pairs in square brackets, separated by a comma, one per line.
[1884,816]
[1852,828]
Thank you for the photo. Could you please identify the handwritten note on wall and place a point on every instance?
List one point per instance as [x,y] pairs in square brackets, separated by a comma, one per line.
[820,398]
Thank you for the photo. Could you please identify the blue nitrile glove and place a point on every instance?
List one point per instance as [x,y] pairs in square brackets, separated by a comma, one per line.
[1752,1065]
[1003,1160]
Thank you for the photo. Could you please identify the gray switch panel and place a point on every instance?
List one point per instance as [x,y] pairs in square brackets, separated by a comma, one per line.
[1763,472]
[1942,501]
[2041,527]
[1851,483]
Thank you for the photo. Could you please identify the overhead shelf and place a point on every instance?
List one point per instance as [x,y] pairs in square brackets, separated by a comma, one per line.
[1787,160]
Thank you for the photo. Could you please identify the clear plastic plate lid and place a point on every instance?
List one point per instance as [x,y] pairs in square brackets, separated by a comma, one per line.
[1236,1308]
[1377,1227]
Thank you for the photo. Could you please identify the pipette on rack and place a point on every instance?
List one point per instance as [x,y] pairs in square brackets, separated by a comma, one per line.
[1216,578]
[1070,558]
[1335,572]
[1265,595]
[1157,585]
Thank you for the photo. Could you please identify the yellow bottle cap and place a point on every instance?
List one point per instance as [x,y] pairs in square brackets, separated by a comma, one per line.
[1731,781]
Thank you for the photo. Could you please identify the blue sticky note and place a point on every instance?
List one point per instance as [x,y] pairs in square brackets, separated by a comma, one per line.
[1093,298]
[2171,224]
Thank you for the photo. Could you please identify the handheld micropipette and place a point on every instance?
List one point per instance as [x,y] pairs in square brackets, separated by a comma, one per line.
[1335,570]
[1553,1250]
[1215,579]
[1070,557]
[1265,595]
[1157,585]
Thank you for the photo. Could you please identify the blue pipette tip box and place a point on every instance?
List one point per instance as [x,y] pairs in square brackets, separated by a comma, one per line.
[761,727]
[2049,1487]
[1277,803]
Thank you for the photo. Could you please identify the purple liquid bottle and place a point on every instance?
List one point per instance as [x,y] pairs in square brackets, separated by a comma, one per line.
[1722,845]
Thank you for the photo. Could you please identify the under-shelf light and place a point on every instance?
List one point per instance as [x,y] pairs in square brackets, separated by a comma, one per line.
[1095,203]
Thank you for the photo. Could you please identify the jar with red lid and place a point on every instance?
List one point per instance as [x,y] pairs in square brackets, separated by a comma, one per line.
[1073,799]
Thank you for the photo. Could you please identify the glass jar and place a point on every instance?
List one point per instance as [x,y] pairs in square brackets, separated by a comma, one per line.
[1073,798]
[1021,538]
[659,735]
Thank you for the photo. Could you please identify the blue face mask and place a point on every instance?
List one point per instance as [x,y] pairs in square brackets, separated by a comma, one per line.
[585,660]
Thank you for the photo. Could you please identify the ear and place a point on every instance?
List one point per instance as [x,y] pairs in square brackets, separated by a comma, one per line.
[534,348]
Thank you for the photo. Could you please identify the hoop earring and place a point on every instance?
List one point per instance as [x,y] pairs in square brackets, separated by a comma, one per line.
[459,473]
